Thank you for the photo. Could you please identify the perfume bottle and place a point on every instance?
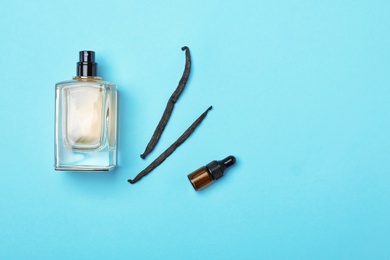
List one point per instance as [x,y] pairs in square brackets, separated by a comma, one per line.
[85,120]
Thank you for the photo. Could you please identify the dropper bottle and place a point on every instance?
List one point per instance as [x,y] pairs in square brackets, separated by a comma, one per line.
[206,175]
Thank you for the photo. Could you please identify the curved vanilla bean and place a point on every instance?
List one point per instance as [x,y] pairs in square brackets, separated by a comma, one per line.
[171,148]
[171,103]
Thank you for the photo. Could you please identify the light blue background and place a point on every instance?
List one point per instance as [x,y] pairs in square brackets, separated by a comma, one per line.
[301,95]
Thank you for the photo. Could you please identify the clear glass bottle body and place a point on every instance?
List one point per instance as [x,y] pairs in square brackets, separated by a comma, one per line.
[85,125]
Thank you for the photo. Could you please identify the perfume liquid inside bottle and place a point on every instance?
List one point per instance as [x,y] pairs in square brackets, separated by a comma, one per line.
[85,120]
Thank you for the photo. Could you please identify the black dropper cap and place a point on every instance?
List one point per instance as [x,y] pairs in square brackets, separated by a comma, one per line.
[216,168]
[86,67]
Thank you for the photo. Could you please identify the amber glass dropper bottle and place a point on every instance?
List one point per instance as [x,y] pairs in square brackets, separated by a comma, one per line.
[206,175]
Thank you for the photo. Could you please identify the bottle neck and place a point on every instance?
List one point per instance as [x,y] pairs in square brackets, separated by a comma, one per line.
[87,78]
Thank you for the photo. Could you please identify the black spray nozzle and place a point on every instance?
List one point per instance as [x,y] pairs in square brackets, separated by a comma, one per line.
[86,67]
[87,56]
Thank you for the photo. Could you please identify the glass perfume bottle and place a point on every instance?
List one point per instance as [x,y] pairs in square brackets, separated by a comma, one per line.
[85,120]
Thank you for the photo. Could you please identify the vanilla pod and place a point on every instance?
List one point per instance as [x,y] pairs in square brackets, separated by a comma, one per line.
[170,105]
[171,148]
